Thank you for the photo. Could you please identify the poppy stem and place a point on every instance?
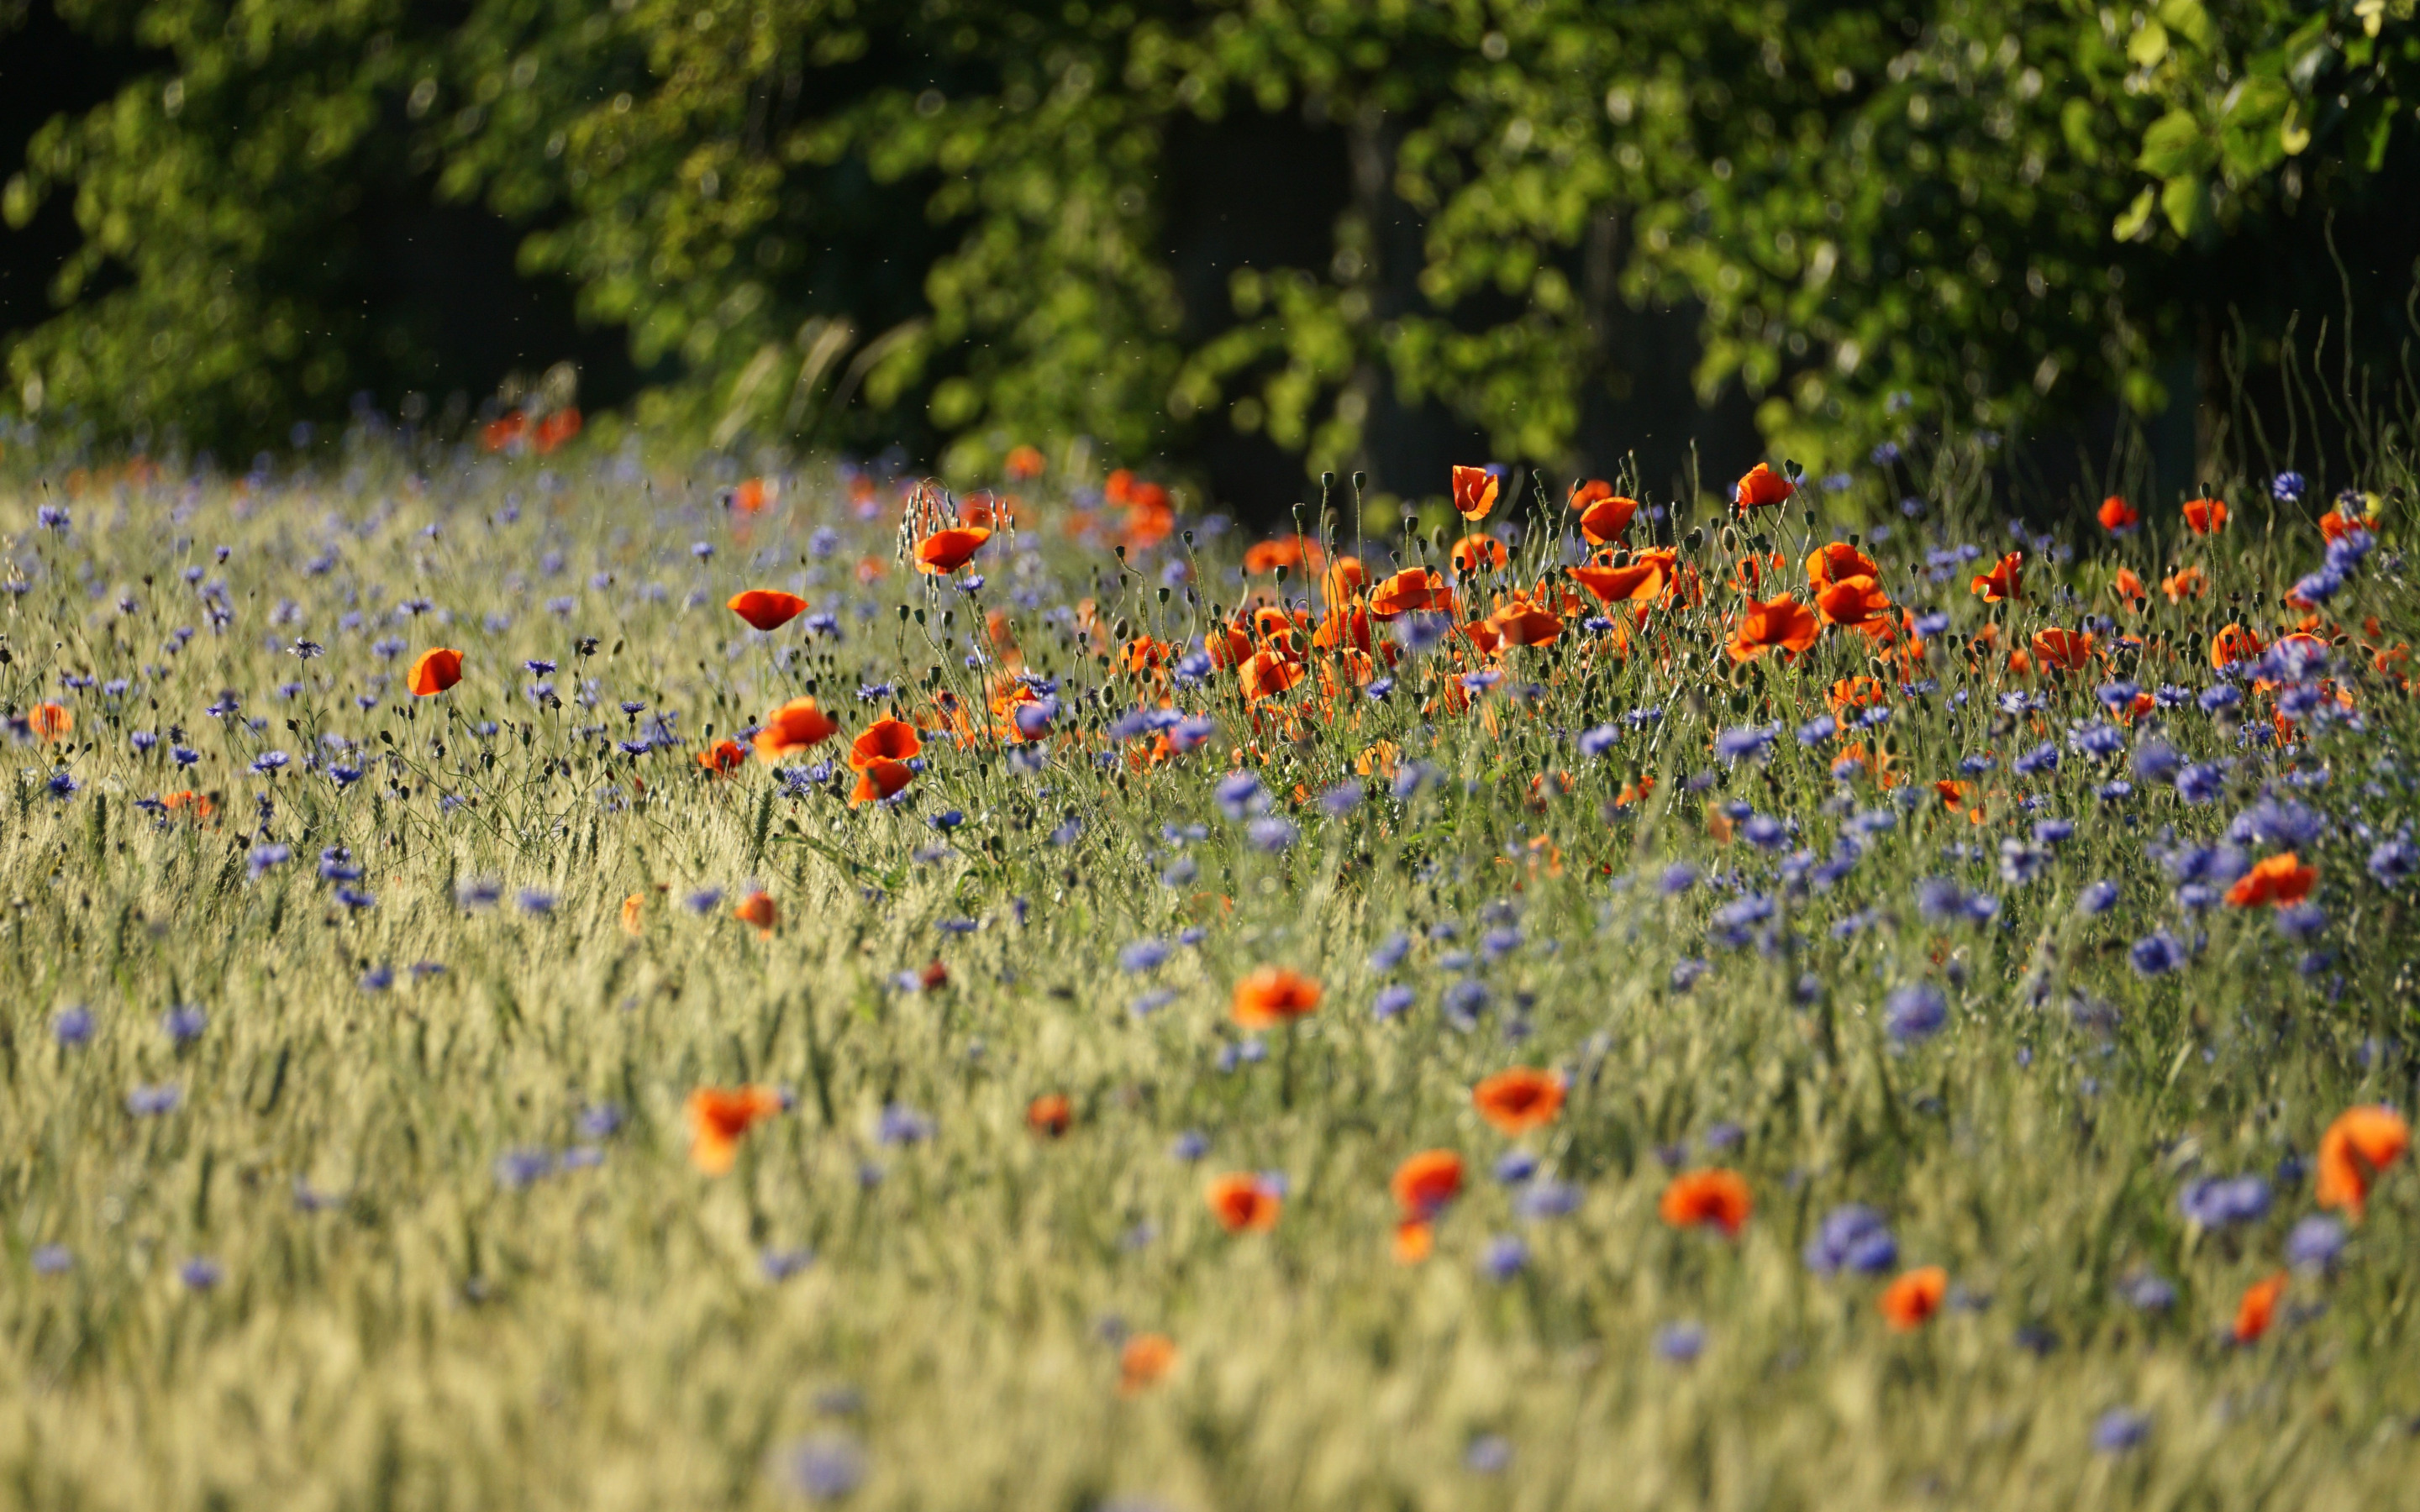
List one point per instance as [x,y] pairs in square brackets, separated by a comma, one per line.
[1286,1070]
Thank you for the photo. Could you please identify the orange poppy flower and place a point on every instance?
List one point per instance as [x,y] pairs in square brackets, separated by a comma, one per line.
[796,726]
[1780,622]
[1838,562]
[1273,995]
[2234,643]
[1474,492]
[1477,553]
[1285,551]
[1643,578]
[1412,589]
[718,1116]
[1857,692]
[1414,1241]
[758,912]
[1267,674]
[2118,516]
[1146,1359]
[1854,604]
[1050,1114]
[1242,1203]
[1024,461]
[633,915]
[767,609]
[755,494]
[557,428]
[722,758]
[880,779]
[1716,1196]
[2259,1309]
[434,672]
[1522,622]
[1344,581]
[1424,1183]
[2278,879]
[2184,583]
[2129,587]
[199,805]
[2336,524]
[2206,516]
[1227,646]
[1519,1100]
[2066,650]
[1761,487]
[52,721]
[1604,516]
[2360,1143]
[893,740]
[1914,1297]
[947,550]
[2004,580]
[499,434]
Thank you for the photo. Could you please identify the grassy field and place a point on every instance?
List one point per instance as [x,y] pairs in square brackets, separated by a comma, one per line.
[359,1049]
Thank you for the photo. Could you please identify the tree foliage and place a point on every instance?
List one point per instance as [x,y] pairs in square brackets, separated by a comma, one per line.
[959,222]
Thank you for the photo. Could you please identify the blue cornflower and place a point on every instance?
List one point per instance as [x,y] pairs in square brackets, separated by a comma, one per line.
[1679,1342]
[2119,1429]
[184,1023]
[2224,1202]
[1505,1258]
[1850,1238]
[151,1102]
[1916,1011]
[2156,954]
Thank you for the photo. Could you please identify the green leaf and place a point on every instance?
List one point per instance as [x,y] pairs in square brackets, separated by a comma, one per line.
[2132,222]
[2186,202]
[2175,145]
[2186,18]
[2146,47]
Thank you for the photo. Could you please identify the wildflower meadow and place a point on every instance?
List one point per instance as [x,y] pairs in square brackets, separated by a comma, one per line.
[550,973]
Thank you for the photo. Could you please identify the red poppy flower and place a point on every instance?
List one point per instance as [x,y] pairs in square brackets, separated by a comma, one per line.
[1717,1197]
[1477,553]
[1024,461]
[1838,562]
[950,549]
[434,672]
[1267,674]
[1643,577]
[2278,879]
[1914,1297]
[722,758]
[1285,551]
[1050,1114]
[1424,1183]
[757,911]
[2258,1309]
[2206,516]
[2234,643]
[1144,1360]
[880,779]
[1519,1100]
[893,740]
[2118,516]
[1410,590]
[52,721]
[1242,1203]
[1853,604]
[718,1116]
[2362,1142]
[1474,492]
[1273,995]
[556,430]
[2004,580]
[767,609]
[1524,623]
[1778,624]
[1604,516]
[1760,487]
[2184,583]
[2066,650]
[796,726]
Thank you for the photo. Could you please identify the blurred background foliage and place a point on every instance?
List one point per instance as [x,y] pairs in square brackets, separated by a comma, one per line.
[1254,239]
